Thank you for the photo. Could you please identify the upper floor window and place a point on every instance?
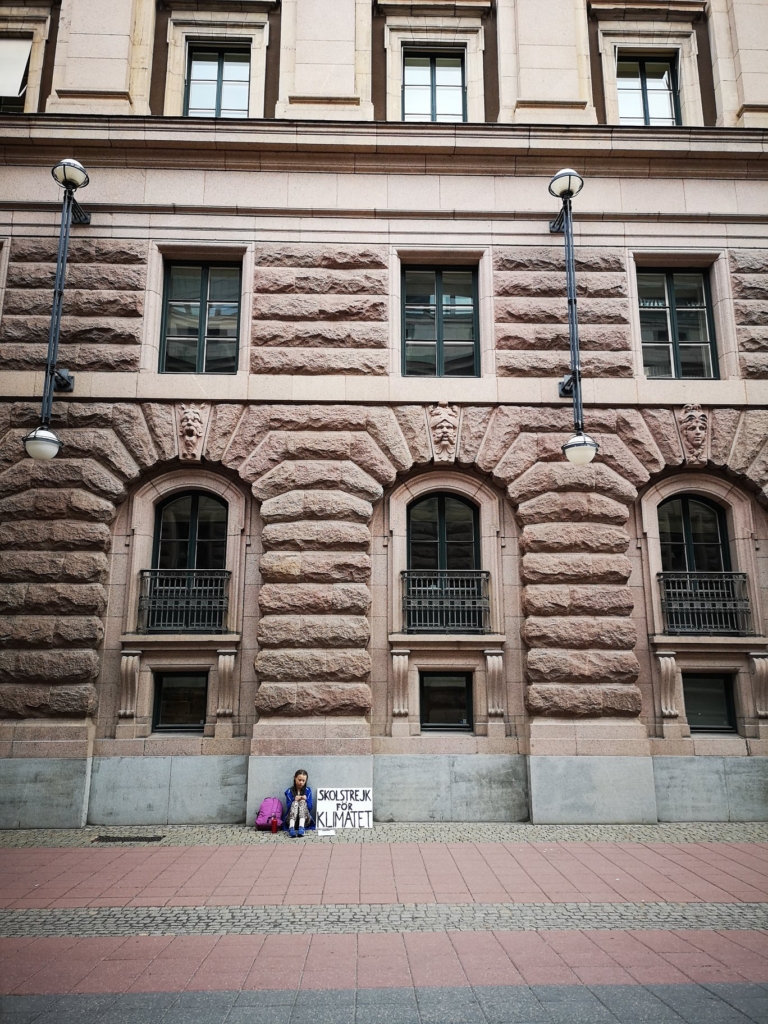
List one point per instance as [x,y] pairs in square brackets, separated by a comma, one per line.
[201,317]
[443,534]
[693,536]
[440,324]
[676,324]
[191,533]
[647,89]
[14,71]
[218,82]
[433,87]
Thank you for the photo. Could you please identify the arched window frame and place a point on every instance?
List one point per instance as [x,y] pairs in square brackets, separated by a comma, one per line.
[161,505]
[722,520]
[143,519]
[459,497]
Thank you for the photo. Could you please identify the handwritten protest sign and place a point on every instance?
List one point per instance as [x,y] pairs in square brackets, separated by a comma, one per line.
[344,808]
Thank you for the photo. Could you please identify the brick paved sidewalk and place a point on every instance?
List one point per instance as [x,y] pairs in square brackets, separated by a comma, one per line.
[485,932]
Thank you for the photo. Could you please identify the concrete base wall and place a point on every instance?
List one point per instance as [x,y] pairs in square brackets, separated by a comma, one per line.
[592,790]
[168,790]
[450,787]
[711,788]
[44,792]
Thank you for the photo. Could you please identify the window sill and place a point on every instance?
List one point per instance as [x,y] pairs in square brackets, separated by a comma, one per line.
[733,644]
[195,641]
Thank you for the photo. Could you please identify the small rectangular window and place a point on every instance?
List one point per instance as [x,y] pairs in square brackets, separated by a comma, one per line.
[14,69]
[218,82]
[201,318]
[440,325]
[180,701]
[709,703]
[647,88]
[676,324]
[446,701]
[433,87]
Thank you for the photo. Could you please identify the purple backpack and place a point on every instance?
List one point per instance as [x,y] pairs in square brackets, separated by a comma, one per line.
[271,810]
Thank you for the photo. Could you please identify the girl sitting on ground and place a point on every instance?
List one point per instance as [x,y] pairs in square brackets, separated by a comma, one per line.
[298,800]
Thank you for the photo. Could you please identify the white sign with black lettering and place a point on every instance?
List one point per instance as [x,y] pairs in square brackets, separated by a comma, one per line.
[344,808]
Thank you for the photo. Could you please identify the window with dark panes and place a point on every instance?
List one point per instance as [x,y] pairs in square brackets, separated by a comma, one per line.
[181,700]
[647,88]
[446,701]
[676,324]
[440,324]
[218,82]
[191,532]
[201,318]
[709,704]
[443,534]
[433,87]
[693,536]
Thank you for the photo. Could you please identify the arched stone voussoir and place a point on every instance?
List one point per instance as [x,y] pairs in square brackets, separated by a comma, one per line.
[382,425]
[341,475]
[85,474]
[583,701]
[103,446]
[562,476]
[320,505]
[304,699]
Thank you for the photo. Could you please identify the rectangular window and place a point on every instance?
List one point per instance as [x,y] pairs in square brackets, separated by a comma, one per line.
[218,82]
[440,325]
[709,702]
[676,324]
[433,87]
[14,69]
[446,701]
[647,88]
[201,318]
[180,701]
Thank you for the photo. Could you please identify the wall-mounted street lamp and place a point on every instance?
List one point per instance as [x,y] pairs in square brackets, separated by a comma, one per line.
[42,442]
[581,448]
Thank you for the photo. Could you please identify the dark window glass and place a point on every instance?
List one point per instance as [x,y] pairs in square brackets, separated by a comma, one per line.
[446,701]
[440,329]
[201,319]
[709,703]
[647,89]
[218,83]
[693,536]
[191,533]
[676,324]
[433,87]
[180,701]
[443,534]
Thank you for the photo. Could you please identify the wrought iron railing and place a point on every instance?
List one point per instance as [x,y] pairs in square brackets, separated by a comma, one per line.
[183,600]
[446,601]
[705,603]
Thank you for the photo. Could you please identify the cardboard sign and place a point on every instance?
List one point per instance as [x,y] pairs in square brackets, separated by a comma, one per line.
[344,808]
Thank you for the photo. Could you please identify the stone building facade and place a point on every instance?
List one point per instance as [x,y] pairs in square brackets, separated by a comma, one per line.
[596,662]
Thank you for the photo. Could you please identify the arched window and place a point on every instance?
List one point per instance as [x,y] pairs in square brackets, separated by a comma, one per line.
[186,590]
[445,591]
[700,594]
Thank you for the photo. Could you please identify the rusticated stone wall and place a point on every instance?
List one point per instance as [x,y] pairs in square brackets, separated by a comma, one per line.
[749,277]
[317,471]
[101,325]
[320,309]
[532,312]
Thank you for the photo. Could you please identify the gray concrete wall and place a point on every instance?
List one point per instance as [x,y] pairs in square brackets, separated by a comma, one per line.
[42,792]
[168,790]
[592,790]
[450,787]
[711,788]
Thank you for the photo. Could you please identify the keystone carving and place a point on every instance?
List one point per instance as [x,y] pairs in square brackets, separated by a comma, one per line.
[226,672]
[192,420]
[668,676]
[758,663]
[444,427]
[129,683]
[494,676]
[694,423]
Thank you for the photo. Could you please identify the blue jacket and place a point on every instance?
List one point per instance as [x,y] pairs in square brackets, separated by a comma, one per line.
[310,807]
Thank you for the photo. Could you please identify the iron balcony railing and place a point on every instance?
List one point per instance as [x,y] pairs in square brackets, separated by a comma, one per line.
[446,601]
[705,603]
[183,600]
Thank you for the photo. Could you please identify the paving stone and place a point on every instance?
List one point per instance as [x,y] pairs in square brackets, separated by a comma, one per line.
[264,1014]
[511,1005]
[449,1006]
[387,1013]
[633,1002]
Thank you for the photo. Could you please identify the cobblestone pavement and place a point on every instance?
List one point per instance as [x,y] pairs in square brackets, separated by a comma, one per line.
[422,924]
[429,832]
[372,918]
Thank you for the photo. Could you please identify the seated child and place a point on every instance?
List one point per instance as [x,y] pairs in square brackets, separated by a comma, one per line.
[299,808]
